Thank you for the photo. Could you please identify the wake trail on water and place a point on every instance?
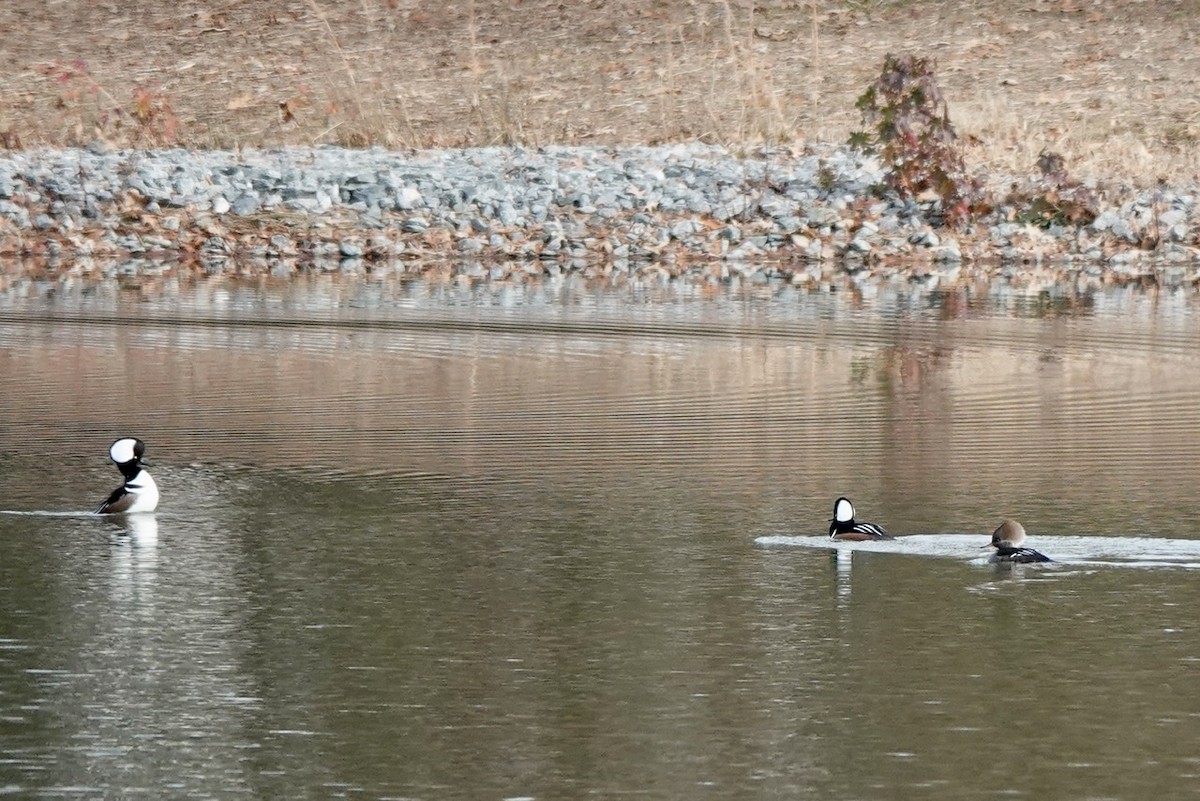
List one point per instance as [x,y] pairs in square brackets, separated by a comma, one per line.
[41,513]
[1067,550]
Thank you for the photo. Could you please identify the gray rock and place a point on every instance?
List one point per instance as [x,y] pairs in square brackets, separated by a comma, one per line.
[1172,217]
[245,205]
[1105,220]
[789,224]
[685,228]
[822,216]
[1122,229]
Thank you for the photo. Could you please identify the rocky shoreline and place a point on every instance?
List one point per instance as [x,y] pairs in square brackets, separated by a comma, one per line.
[676,209]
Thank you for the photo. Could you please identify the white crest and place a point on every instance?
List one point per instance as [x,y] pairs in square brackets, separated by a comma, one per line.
[843,511]
[122,450]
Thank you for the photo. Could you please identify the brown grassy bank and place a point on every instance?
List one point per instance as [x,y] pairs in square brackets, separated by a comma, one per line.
[1114,86]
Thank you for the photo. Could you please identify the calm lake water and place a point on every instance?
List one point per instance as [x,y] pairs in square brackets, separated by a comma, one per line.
[435,541]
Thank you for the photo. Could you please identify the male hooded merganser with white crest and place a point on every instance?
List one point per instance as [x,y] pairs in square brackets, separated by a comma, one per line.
[139,493]
[844,527]
[1007,539]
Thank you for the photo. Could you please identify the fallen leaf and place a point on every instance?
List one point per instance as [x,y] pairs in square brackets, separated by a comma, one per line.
[289,107]
[240,102]
[772,34]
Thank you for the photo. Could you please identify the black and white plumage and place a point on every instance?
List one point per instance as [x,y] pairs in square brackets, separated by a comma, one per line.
[1007,539]
[139,493]
[843,526]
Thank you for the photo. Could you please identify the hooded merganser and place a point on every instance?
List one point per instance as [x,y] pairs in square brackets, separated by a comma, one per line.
[843,527]
[139,493]
[1007,539]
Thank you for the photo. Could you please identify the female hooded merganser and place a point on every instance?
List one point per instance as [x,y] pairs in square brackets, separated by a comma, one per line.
[1007,539]
[843,527]
[139,493]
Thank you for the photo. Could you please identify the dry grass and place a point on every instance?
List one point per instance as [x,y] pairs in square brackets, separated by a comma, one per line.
[1112,85]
